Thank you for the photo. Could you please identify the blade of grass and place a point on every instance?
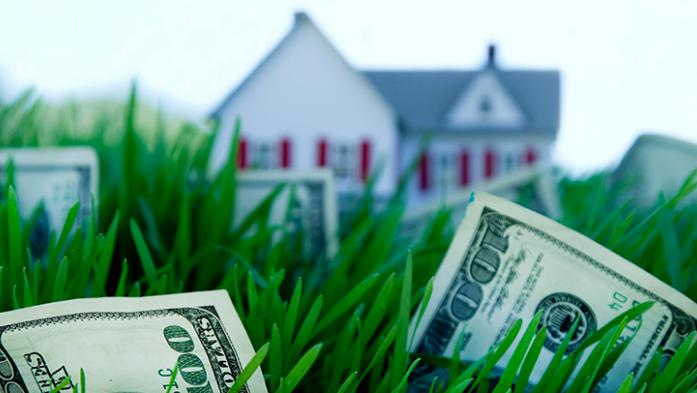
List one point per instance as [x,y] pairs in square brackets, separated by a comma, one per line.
[249,369]
[144,253]
[300,369]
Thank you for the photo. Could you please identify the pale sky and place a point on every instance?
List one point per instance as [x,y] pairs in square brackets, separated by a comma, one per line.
[627,66]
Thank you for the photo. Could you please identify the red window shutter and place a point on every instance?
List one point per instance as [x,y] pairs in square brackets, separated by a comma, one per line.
[489,163]
[242,153]
[285,153]
[322,150]
[530,156]
[464,168]
[365,159]
[424,180]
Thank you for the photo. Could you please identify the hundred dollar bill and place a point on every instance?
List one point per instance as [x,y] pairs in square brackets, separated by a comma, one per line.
[507,262]
[308,196]
[48,181]
[127,345]
[534,186]
[655,164]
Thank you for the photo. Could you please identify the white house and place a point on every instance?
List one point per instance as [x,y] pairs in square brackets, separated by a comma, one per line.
[305,106]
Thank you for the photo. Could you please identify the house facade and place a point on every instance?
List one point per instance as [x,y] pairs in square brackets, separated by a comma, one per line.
[304,106]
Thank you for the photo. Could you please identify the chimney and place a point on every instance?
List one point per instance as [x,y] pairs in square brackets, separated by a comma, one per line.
[301,16]
[491,56]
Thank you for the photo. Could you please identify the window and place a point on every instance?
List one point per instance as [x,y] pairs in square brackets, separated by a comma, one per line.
[485,106]
[344,163]
[444,171]
[349,160]
[263,156]
[509,162]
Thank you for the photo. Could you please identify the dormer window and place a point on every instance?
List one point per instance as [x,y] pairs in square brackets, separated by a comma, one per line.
[485,106]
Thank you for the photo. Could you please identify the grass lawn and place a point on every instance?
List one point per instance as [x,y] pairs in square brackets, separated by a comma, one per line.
[331,325]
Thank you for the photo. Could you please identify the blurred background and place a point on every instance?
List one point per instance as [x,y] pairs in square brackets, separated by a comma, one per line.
[314,158]
[626,66]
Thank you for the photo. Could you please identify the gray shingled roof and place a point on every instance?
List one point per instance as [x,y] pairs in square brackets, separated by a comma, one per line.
[423,98]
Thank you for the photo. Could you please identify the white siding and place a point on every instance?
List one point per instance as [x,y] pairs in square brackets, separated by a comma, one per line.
[476,145]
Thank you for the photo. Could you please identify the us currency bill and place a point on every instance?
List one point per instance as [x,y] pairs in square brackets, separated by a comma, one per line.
[127,345]
[507,262]
[535,186]
[655,164]
[313,197]
[49,181]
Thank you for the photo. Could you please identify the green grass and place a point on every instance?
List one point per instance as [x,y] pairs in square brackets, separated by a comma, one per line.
[339,324]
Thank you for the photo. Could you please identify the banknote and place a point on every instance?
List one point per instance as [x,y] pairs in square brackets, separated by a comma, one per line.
[533,186]
[48,181]
[507,263]
[655,164]
[127,345]
[309,196]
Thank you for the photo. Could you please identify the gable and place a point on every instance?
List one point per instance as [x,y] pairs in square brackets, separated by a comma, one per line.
[304,92]
[304,83]
[485,103]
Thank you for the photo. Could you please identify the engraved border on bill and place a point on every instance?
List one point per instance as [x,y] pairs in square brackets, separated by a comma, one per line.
[191,314]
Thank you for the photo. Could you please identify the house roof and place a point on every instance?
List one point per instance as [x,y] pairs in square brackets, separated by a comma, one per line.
[300,19]
[423,98]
